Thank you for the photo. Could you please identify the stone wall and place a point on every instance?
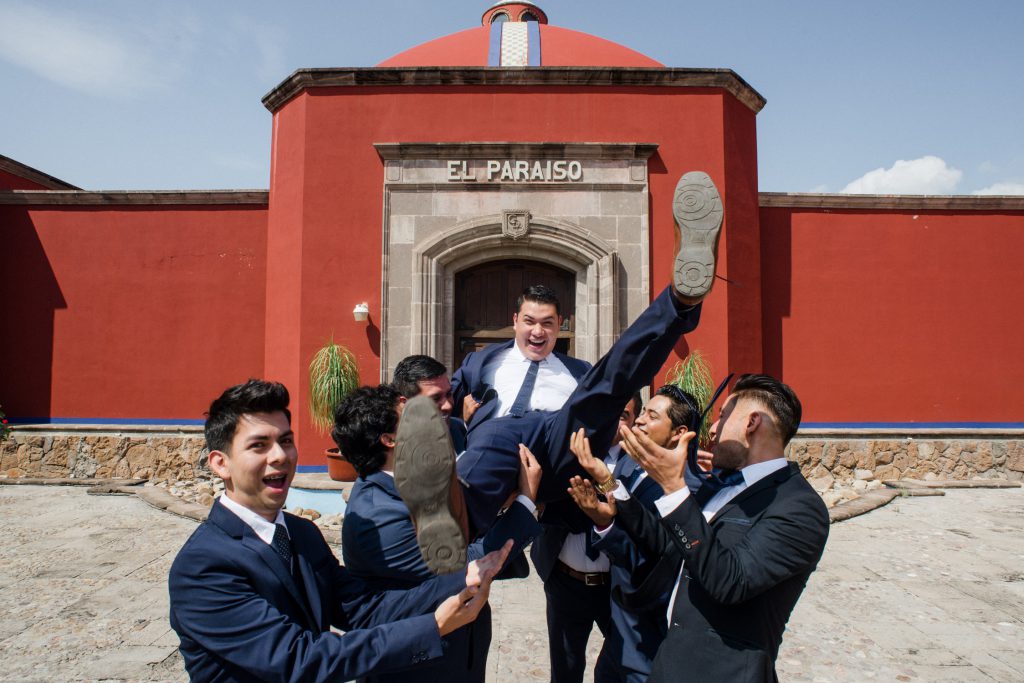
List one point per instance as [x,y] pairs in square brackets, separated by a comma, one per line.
[825,458]
[83,452]
[828,458]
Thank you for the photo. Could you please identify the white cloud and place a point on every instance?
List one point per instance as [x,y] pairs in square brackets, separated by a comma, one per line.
[96,55]
[927,175]
[1002,188]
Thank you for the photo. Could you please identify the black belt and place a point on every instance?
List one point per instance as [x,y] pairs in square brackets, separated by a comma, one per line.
[588,578]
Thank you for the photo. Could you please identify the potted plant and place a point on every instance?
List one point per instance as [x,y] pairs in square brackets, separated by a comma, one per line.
[693,375]
[333,374]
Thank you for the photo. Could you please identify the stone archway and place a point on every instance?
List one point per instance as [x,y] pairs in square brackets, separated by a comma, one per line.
[560,243]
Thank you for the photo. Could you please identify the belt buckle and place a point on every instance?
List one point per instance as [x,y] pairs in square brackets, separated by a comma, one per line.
[592,579]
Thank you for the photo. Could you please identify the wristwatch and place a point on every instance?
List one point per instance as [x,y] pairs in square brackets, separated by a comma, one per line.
[608,486]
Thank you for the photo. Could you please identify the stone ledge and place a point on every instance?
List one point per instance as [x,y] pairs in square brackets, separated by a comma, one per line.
[591,77]
[68,481]
[889,201]
[135,197]
[916,485]
[104,429]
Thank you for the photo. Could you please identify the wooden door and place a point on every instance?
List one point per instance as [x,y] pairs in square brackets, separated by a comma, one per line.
[485,299]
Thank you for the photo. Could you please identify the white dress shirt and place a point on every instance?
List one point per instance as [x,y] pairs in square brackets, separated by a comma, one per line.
[263,528]
[574,548]
[507,370]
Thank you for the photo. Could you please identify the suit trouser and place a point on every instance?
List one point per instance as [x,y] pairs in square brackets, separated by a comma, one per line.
[489,468]
[572,610]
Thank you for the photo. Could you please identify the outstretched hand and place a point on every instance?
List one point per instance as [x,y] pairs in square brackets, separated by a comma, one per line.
[529,473]
[579,444]
[663,465]
[585,496]
[462,609]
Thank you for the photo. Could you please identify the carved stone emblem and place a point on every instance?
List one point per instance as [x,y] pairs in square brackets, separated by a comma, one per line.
[515,224]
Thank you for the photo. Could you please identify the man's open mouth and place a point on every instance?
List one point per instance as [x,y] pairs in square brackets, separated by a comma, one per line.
[536,345]
[276,481]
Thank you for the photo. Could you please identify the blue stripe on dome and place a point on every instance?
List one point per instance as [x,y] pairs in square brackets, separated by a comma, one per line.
[533,43]
[494,54]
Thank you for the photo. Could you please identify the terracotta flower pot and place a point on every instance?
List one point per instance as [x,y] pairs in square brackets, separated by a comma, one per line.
[338,468]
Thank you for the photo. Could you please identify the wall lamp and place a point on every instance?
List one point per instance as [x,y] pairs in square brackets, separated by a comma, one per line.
[361,312]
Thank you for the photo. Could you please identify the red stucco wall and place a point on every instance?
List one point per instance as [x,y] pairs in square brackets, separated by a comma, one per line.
[143,312]
[333,190]
[895,316]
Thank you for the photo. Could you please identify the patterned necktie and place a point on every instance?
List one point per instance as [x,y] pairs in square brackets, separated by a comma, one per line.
[282,545]
[523,397]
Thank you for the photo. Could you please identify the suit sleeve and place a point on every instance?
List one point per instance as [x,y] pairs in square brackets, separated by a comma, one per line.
[214,603]
[380,540]
[516,523]
[786,540]
[460,386]
[644,527]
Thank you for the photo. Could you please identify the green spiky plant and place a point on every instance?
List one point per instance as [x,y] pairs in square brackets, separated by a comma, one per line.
[693,375]
[333,374]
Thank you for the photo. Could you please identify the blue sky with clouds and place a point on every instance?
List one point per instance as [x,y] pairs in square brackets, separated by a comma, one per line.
[897,96]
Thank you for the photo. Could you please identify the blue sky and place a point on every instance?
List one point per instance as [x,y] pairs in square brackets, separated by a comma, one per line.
[897,96]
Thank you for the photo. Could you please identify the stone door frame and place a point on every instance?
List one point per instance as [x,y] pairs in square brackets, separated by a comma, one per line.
[480,240]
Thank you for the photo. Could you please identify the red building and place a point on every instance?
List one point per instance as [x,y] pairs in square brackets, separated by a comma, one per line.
[404,185]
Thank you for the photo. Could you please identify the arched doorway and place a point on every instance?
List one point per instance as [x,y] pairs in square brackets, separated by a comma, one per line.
[485,297]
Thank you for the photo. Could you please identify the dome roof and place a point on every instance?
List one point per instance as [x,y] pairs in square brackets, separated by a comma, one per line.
[516,33]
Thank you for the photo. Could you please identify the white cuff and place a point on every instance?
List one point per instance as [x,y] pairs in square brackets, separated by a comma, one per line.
[620,492]
[601,533]
[530,506]
[667,503]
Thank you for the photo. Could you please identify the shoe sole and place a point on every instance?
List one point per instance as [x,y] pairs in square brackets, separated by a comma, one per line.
[424,462]
[697,208]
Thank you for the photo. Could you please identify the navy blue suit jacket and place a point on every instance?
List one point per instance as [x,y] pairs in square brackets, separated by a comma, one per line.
[468,379]
[634,638]
[379,546]
[241,616]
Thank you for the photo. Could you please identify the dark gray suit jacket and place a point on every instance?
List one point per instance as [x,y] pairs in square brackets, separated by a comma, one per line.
[744,572]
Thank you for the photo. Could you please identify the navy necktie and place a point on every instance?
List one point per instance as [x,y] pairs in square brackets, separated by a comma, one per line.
[714,484]
[631,481]
[282,545]
[523,397]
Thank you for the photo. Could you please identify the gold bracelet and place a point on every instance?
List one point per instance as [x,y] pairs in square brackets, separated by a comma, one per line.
[608,486]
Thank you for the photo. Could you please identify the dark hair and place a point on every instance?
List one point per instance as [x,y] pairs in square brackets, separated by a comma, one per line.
[777,398]
[539,294]
[360,420]
[255,396]
[684,411]
[413,369]
[638,402]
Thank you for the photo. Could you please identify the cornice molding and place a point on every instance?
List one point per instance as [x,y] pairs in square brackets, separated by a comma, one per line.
[630,77]
[28,173]
[876,202]
[135,197]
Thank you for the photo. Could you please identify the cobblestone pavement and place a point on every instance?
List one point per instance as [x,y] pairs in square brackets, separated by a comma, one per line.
[924,589]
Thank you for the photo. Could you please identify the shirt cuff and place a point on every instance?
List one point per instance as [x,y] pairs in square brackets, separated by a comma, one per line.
[666,504]
[620,492]
[530,506]
[601,533]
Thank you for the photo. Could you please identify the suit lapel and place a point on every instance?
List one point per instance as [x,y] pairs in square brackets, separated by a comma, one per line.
[772,480]
[312,604]
[233,526]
